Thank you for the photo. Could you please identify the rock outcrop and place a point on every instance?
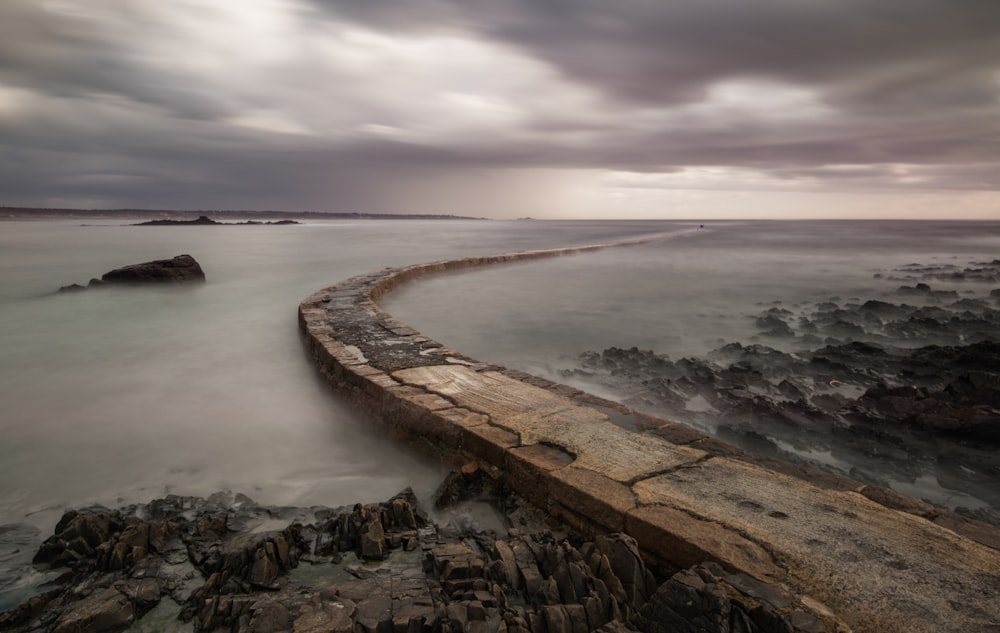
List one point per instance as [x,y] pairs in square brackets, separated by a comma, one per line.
[204,220]
[377,567]
[182,269]
[179,269]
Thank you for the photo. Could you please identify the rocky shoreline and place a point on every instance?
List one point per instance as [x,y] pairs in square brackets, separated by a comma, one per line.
[226,563]
[902,378]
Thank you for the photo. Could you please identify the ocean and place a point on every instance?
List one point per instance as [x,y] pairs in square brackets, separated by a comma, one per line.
[114,396]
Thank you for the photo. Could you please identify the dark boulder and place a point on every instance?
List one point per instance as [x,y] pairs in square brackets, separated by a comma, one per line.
[180,269]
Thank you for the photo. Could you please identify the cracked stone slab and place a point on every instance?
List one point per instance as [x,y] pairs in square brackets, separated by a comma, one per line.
[539,416]
[877,559]
[687,540]
[594,496]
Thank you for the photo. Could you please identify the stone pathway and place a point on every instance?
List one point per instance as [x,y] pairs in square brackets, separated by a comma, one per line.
[881,561]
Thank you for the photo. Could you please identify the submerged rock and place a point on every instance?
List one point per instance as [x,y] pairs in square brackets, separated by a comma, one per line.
[181,269]
[911,385]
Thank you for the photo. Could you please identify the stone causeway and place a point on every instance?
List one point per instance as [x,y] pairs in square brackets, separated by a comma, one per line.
[880,560]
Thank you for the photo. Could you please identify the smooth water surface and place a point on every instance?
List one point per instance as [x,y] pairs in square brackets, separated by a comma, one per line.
[124,394]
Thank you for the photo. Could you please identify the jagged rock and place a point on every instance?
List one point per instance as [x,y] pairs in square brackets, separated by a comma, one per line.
[78,536]
[705,599]
[266,567]
[626,563]
[243,581]
[373,545]
[107,610]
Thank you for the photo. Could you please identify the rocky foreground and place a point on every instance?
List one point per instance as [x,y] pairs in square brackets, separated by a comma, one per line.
[227,564]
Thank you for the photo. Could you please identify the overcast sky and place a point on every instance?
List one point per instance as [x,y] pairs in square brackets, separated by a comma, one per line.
[505,108]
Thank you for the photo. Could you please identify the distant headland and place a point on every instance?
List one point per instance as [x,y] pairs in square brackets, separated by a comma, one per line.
[204,220]
[186,217]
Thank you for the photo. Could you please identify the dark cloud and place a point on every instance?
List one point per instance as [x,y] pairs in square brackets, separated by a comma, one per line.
[370,103]
[915,82]
[70,54]
[655,51]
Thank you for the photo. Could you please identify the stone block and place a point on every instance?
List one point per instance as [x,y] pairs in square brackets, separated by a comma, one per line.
[678,433]
[488,443]
[592,495]
[528,469]
[684,540]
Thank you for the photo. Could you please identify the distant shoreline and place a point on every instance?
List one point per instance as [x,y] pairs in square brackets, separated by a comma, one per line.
[34,213]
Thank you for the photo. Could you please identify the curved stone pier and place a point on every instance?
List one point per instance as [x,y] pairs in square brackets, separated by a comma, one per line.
[880,560]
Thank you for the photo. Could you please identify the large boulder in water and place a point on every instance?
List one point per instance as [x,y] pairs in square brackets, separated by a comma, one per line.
[180,269]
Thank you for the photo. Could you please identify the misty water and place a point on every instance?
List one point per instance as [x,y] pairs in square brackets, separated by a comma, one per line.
[687,296]
[116,396]
[123,395]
